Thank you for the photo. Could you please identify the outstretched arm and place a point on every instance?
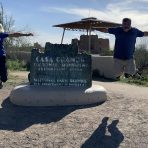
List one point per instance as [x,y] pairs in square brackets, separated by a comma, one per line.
[145,33]
[20,34]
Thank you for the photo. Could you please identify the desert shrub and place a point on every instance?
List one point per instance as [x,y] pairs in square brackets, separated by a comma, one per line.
[141,58]
[16,65]
[106,52]
[96,73]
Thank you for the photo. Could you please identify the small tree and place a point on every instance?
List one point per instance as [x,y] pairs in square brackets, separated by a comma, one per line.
[8,23]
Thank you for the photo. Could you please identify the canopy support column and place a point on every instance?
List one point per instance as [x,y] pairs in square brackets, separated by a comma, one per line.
[63,35]
[89,42]
[87,31]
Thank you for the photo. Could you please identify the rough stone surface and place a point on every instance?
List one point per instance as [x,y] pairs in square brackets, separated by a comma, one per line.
[60,68]
[104,65]
[29,95]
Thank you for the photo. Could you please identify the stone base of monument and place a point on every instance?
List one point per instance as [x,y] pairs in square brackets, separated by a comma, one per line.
[30,95]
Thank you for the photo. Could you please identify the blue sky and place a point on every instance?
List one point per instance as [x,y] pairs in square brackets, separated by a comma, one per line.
[39,16]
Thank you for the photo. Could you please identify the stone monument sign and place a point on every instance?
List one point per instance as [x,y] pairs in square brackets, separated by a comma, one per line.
[60,65]
[59,76]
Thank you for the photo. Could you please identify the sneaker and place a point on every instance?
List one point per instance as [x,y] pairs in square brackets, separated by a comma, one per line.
[1,84]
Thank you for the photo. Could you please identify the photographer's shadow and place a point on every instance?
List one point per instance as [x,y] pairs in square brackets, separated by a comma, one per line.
[99,140]
[18,118]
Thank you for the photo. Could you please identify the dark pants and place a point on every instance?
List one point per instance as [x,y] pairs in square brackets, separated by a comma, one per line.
[3,69]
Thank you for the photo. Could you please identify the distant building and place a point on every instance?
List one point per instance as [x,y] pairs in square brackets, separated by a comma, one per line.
[98,45]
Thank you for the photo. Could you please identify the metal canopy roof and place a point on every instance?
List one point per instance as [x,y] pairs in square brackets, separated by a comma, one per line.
[87,24]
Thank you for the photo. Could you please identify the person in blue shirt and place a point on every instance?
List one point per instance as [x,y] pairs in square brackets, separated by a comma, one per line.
[125,40]
[3,68]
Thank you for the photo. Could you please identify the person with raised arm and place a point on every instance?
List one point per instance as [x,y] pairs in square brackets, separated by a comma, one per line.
[3,67]
[125,40]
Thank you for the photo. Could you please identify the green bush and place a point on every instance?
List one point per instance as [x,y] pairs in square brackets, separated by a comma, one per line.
[106,52]
[16,65]
[141,58]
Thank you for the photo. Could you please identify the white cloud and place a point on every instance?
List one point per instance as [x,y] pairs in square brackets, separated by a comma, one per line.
[146,1]
[113,12]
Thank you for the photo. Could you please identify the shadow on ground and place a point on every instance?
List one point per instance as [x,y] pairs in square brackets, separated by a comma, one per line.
[18,118]
[102,79]
[99,139]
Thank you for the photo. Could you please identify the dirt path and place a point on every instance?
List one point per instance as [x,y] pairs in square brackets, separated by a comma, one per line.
[21,74]
[121,121]
[127,90]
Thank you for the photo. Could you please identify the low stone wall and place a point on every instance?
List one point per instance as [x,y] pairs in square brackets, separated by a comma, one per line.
[103,66]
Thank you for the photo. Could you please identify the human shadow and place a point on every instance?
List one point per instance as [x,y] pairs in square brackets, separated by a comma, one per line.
[99,140]
[18,118]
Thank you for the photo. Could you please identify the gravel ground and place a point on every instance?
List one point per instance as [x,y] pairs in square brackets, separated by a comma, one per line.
[121,121]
